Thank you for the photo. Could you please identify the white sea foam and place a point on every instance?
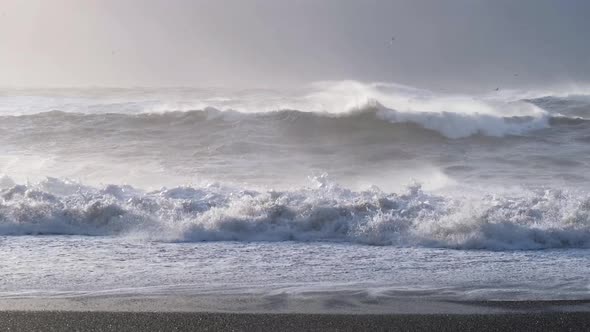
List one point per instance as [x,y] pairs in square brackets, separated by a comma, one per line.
[324,212]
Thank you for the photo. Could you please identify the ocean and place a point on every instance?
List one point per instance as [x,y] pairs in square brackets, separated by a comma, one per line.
[371,190]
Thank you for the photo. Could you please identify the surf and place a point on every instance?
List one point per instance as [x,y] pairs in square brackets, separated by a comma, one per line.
[324,211]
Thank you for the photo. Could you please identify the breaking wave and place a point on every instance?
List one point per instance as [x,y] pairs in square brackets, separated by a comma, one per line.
[373,116]
[321,212]
[453,116]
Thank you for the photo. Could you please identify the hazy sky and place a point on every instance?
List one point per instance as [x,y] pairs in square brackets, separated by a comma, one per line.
[263,43]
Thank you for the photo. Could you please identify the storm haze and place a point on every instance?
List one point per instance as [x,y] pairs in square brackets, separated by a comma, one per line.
[446,45]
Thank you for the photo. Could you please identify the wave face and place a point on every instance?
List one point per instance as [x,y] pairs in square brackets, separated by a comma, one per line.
[324,212]
[372,115]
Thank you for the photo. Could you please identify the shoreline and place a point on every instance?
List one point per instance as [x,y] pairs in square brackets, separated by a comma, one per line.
[335,303]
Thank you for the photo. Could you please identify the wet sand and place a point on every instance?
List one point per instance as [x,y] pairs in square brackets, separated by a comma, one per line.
[175,321]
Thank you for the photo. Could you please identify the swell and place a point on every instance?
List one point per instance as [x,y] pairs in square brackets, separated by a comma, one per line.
[322,212]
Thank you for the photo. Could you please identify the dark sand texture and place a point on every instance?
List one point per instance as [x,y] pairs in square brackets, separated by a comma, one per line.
[145,321]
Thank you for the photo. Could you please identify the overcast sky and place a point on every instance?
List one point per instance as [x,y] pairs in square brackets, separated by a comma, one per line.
[454,44]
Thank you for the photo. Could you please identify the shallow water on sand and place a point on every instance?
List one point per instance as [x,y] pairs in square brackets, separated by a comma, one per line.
[64,266]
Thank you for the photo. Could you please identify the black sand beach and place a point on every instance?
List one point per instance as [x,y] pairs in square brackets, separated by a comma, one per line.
[171,321]
[175,314]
